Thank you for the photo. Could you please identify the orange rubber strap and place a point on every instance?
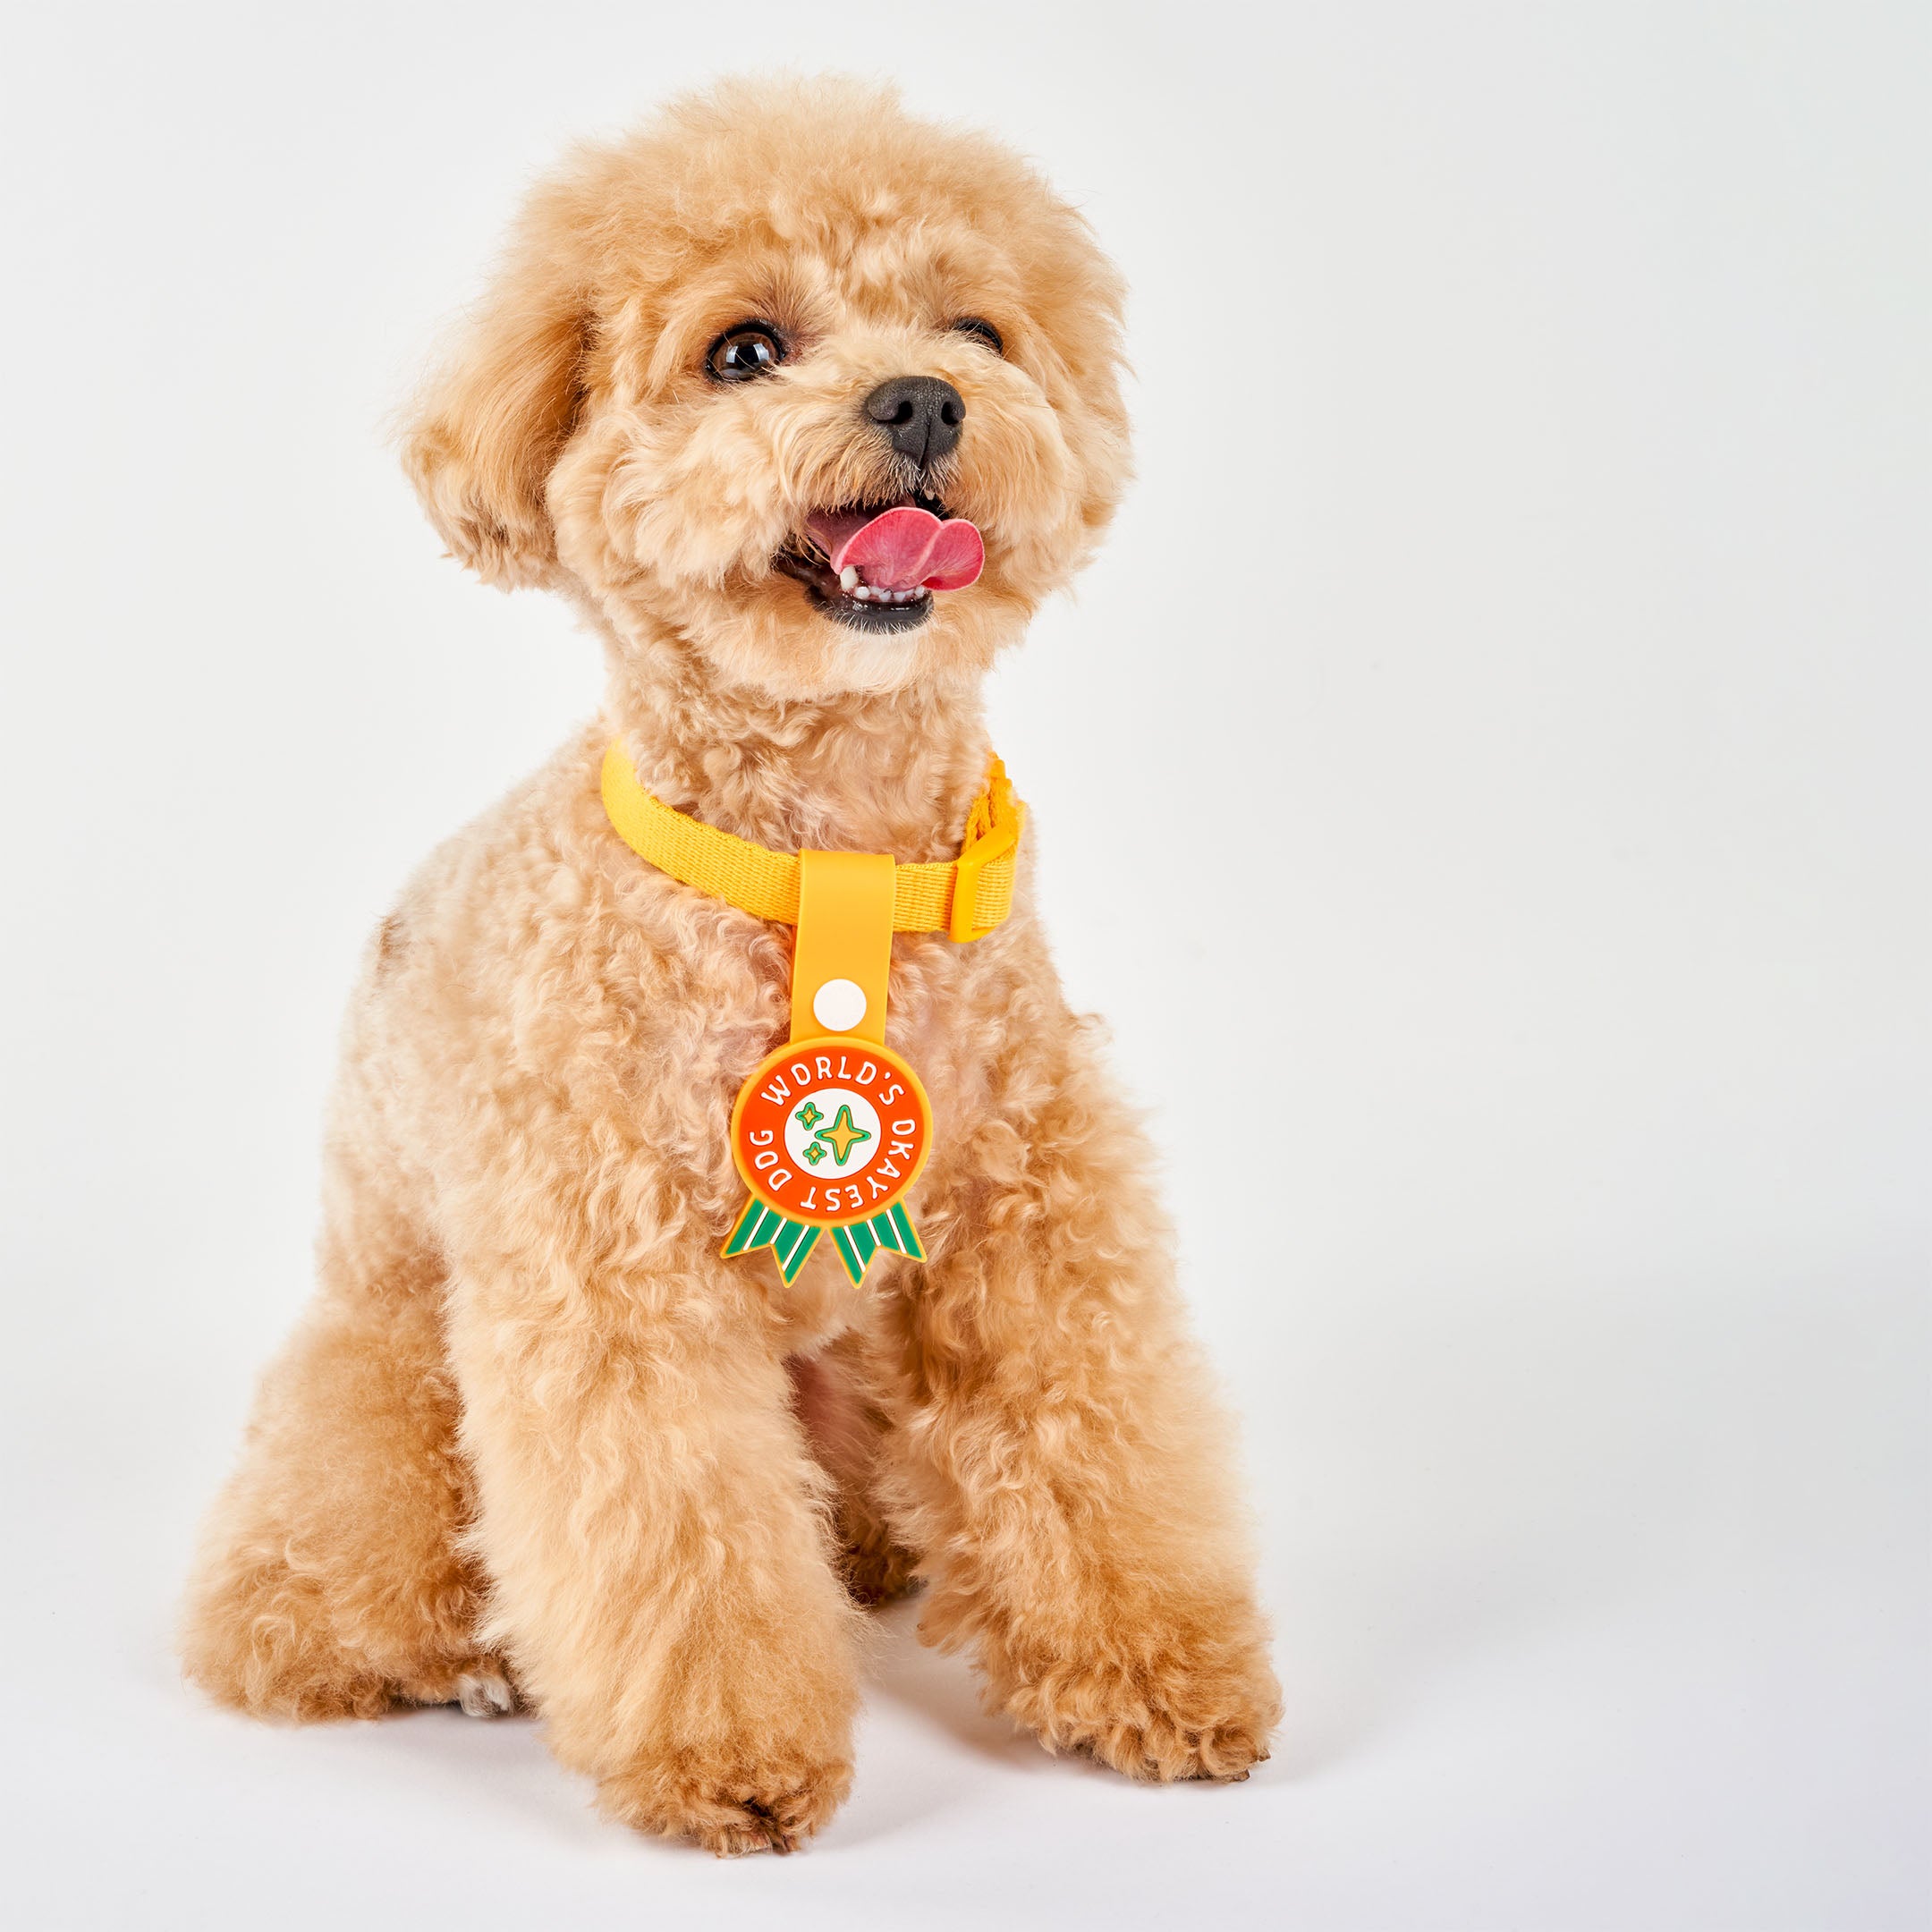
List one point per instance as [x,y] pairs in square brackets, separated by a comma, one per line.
[845,941]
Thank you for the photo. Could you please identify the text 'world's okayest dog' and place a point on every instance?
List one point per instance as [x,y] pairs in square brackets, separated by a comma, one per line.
[805,406]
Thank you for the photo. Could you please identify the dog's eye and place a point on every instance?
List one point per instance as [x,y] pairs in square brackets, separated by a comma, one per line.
[973,325]
[749,350]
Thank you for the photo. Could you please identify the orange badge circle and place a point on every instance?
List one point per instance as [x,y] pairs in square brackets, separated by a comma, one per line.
[833,1131]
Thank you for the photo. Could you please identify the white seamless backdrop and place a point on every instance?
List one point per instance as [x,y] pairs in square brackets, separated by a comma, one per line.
[1507,685]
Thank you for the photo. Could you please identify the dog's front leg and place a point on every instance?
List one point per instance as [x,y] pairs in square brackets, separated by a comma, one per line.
[1060,1454]
[658,1555]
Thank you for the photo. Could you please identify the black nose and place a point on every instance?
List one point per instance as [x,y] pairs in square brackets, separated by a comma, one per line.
[921,414]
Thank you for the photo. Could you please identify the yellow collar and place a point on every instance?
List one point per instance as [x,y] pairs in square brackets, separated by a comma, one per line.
[967,896]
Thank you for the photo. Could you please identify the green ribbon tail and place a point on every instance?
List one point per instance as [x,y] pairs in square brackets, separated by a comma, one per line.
[791,1241]
[759,1227]
[892,1231]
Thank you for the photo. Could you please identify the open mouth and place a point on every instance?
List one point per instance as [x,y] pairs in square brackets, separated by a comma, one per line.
[876,566]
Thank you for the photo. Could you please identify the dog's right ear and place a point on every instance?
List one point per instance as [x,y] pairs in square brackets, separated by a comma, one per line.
[484,435]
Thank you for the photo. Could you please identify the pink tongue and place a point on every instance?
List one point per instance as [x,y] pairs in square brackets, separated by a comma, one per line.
[902,549]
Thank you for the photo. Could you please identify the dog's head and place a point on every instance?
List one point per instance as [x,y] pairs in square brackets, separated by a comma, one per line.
[717,352]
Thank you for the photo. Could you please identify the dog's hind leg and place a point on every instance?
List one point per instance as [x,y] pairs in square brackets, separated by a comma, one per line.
[330,1581]
[845,1432]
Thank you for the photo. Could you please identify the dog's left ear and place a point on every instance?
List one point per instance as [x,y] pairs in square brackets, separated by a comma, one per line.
[487,431]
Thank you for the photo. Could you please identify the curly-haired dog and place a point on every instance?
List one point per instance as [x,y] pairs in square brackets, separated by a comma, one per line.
[534,1432]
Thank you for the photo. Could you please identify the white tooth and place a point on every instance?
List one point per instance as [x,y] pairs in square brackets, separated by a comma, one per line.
[848,578]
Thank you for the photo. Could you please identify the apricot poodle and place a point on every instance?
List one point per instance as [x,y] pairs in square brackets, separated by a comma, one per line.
[535,1441]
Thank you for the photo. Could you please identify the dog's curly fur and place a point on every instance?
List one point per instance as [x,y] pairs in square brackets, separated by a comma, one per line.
[534,1432]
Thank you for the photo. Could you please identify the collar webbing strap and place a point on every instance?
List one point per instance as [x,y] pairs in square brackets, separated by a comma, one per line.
[967,896]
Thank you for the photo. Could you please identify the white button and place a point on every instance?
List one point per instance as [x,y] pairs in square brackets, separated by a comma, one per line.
[839,1005]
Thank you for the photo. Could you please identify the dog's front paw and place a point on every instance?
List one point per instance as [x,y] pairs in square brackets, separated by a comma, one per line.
[1184,1706]
[772,1804]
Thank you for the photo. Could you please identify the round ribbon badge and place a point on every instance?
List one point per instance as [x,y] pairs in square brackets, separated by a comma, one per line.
[829,1133]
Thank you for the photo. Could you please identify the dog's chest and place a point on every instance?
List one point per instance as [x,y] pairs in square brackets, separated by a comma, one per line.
[713,1021]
